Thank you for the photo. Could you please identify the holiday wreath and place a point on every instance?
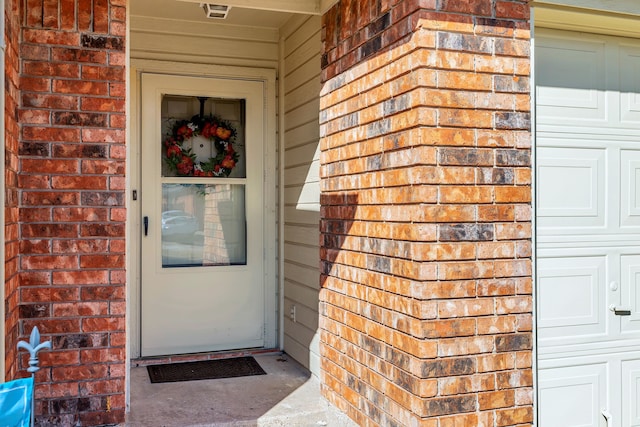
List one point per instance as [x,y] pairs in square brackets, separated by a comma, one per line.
[182,160]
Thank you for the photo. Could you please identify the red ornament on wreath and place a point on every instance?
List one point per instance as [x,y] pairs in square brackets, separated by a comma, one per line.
[183,161]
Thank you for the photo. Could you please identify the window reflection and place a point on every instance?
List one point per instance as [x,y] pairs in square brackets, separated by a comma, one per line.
[203,225]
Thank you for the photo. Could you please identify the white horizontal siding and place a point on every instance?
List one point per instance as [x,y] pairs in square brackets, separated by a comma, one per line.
[171,40]
[301,105]
[308,133]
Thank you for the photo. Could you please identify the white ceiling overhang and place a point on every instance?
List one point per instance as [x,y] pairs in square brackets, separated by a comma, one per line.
[308,7]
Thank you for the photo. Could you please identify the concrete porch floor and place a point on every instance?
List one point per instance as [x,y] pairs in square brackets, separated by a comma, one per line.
[287,396]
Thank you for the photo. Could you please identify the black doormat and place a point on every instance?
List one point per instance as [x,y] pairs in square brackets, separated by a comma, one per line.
[205,370]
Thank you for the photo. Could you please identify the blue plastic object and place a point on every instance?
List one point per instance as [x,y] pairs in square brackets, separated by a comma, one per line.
[16,402]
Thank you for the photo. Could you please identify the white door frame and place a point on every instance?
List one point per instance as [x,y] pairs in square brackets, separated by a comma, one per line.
[268,77]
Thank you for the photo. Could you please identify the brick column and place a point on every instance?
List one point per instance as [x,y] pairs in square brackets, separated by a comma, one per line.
[426,303]
[13,11]
[72,198]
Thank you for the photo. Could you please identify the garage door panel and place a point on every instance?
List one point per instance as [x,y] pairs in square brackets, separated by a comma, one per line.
[630,86]
[630,293]
[573,396]
[571,187]
[630,188]
[571,80]
[631,393]
[572,299]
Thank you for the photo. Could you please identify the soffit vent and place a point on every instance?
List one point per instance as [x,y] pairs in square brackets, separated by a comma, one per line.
[215,11]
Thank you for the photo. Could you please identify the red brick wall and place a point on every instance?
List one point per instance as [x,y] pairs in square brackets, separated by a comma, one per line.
[12,36]
[72,205]
[426,308]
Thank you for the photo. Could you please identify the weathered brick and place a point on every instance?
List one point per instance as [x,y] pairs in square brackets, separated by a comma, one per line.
[451,405]
[73,214]
[466,194]
[465,308]
[29,311]
[496,325]
[102,261]
[478,8]
[478,419]
[511,120]
[49,166]
[49,198]
[50,101]
[85,151]
[459,385]
[80,309]
[465,42]
[449,328]
[467,72]
[509,417]
[80,87]
[513,158]
[465,232]
[96,198]
[49,230]
[513,342]
[83,372]
[35,246]
[466,156]
[79,183]
[448,367]
[102,42]
[477,119]
[465,346]
[514,379]
[36,149]
[68,341]
[511,47]
[496,176]
[496,399]
[38,133]
[102,104]
[467,81]
[48,69]
[73,54]
[79,119]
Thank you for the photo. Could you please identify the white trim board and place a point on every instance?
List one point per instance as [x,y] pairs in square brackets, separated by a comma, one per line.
[630,7]
[599,21]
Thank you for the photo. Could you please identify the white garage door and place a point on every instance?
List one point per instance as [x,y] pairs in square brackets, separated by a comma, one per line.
[588,229]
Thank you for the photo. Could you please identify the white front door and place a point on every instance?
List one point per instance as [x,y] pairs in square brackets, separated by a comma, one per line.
[203,268]
[588,229]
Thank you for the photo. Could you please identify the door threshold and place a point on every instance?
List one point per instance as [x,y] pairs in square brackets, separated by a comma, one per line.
[195,357]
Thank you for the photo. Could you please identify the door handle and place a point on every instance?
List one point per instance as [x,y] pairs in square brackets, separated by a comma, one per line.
[620,311]
[145,221]
[607,416]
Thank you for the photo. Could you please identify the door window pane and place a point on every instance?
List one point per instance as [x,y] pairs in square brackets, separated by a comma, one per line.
[203,225]
[203,137]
